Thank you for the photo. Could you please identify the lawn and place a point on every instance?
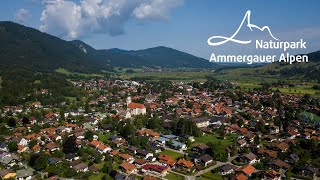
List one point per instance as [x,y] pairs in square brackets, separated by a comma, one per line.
[72,99]
[210,176]
[214,138]
[172,176]
[173,154]
[298,90]
[249,86]
[66,72]
[96,177]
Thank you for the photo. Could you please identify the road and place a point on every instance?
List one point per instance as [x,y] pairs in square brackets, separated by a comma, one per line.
[205,170]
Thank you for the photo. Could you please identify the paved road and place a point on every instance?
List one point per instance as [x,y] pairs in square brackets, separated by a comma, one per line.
[205,170]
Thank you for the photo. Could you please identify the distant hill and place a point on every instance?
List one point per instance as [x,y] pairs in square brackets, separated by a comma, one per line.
[26,47]
[303,71]
[158,56]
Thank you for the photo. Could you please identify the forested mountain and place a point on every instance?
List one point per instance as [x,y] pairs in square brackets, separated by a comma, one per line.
[26,47]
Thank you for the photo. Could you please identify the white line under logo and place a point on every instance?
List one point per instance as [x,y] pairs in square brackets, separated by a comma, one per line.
[233,39]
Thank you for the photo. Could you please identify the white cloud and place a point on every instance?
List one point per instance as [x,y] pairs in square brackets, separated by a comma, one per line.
[71,20]
[155,9]
[22,16]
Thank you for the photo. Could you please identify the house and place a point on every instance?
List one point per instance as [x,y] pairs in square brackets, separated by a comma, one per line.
[166,160]
[139,162]
[124,114]
[283,147]
[242,142]
[132,149]
[81,167]
[185,164]
[71,157]
[144,154]
[227,169]
[249,158]
[7,174]
[247,170]
[135,108]
[271,175]
[155,169]
[103,148]
[128,168]
[36,148]
[278,164]
[172,143]
[201,122]
[202,148]
[4,147]
[126,158]
[308,170]
[94,169]
[25,174]
[7,161]
[205,160]
[52,147]
[241,176]
[22,149]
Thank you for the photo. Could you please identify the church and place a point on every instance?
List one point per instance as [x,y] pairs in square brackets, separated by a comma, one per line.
[135,108]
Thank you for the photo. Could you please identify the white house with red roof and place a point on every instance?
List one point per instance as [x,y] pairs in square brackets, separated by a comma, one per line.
[136,108]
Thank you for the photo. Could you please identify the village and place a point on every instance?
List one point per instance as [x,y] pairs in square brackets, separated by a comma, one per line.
[124,129]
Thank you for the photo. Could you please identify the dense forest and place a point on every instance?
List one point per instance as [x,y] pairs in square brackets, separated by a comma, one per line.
[20,86]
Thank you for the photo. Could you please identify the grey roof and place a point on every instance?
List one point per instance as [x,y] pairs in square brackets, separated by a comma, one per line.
[228,167]
[22,173]
[250,156]
[205,158]
[6,160]
[80,166]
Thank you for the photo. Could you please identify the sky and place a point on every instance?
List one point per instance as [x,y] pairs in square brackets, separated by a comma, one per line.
[185,25]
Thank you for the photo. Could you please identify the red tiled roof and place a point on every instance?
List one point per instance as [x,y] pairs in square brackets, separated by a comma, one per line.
[133,105]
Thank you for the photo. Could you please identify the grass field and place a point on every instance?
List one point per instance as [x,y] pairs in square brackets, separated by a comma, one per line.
[72,99]
[172,176]
[66,72]
[306,89]
[171,76]
[210,176]
[214,138]
[96,177]
[173,154]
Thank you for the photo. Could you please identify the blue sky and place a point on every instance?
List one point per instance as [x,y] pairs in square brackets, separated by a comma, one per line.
[181,24]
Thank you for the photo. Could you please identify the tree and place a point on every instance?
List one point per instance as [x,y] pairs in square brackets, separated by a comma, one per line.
[128,130]
[12,122]
[32,143]
[13,146]
[25,121]
[69,145]
[89,135]
[87,108]
[218,151]
[107,168]
[62,111]
[41,163]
